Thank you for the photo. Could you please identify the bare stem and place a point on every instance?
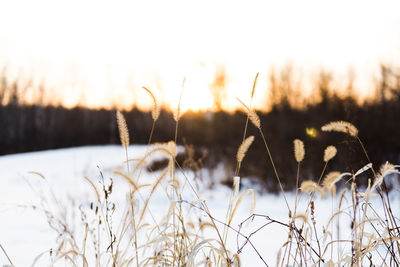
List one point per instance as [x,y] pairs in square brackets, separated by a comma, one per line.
[5,253]
[273,166]
[133,210]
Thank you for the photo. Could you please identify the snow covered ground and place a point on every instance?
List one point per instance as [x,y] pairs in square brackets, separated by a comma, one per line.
[25,233]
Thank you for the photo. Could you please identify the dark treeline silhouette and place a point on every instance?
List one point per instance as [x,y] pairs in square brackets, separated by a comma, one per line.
[37,127]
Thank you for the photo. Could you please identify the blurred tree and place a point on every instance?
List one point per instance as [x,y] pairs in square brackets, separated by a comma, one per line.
[284,90]
[324,86]
[384,80]
[349,93]
[218,88]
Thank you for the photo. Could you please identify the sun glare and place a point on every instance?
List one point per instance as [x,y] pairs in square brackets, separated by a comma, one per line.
[100,54]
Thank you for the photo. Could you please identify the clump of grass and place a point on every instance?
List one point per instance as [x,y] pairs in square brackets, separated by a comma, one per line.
[175,240]
[367,243]
[133,236]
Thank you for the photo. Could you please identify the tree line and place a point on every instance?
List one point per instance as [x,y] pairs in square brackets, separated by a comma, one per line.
[217,135]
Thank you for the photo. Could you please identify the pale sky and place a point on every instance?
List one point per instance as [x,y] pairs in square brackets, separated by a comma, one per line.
[100,50]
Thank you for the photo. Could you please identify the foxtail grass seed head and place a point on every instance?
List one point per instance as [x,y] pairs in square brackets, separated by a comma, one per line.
[329,153]
[386,169]
[254,85]
[340,126]
[308,186]
[243,148]
[311,186]
[177,113]
[330,179]
[329,182]
[155,112]
[252,114]
[254,119]
[299,151]
[169,148]
[123,129]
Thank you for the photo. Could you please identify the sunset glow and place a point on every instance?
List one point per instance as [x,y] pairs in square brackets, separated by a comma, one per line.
[100,54]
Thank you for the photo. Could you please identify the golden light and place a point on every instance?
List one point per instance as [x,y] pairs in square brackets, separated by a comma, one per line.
[101,53]
[312,132]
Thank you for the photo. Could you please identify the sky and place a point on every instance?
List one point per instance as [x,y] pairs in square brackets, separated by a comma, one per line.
[102,52]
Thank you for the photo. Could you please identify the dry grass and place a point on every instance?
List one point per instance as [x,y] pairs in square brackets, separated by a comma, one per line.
[123,129]
[177,238]
[329,153]
[155,112]
[252,115]
[243,148]
[299,151]
[340,126]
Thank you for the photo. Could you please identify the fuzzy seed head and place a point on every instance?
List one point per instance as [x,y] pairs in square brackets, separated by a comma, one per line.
[169,148]
[311,186]
[329,182]
[252,114]
[299,151]
[243,148]
[340,126]
[177,113]
[329,153]
[386,169]
[330,179]
[254,85]
[155,112]
[123,129]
